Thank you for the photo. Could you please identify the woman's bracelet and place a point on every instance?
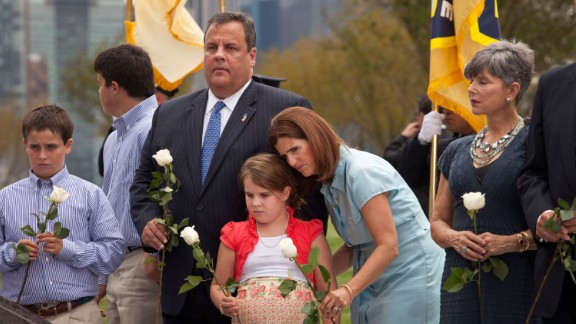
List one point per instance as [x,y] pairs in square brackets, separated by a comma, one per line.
[523,241]
[349,291]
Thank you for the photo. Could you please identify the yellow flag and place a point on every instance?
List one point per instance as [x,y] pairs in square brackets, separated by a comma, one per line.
[459,29]
[171,37]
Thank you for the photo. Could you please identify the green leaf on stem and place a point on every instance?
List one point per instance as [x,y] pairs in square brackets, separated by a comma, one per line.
[209,258]
[174,241]
[191,283]
[155,184]
[569,263]
[22,253]
[552,224]
[570,266]
[309,308]
[173,229]
[41,227]
[486,266]
[325,274]
[165,197]
[28,231]
[153,195]
[286,287]
[458,278]
[161,265]
[310,320]
[566,250]
[37,218]
[157,175]
[200,258]
[173,178]
[60,232]
[52,212]
[160,221]
[320,294]
[499,268]
[566,214]
[184,223]
[231,285]
[563,204]
[307,268]
[313,257]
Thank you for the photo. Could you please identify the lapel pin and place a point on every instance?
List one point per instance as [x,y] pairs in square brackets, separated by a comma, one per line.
[244,117]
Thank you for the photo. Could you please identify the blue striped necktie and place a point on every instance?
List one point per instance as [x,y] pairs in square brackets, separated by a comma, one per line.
[211,138]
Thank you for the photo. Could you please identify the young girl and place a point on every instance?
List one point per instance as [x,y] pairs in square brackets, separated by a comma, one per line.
[250,253]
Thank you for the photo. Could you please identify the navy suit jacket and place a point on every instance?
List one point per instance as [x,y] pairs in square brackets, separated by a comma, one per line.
[550,171]
[177,125]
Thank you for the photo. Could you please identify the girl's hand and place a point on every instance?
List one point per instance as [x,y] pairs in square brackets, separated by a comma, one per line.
[229,306]
[468,245]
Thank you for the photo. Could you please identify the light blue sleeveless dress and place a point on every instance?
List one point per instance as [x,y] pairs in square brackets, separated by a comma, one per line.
[408,291]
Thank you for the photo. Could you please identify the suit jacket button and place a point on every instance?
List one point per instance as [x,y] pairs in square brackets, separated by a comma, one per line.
[200,207]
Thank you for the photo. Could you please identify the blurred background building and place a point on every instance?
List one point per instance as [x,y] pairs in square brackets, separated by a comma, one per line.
[40,38]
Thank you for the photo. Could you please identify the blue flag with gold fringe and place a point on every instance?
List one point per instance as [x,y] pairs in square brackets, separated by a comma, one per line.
[459,29]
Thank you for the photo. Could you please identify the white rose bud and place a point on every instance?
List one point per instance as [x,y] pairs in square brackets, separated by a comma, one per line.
[190,235]
[288,249]
[474,200]
[163,157]
[58,195]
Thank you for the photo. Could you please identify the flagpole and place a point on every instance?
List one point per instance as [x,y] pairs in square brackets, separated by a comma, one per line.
[129,10]
[433,169]
[222,5]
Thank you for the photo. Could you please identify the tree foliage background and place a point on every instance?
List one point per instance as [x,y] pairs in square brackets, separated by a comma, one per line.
[366,77]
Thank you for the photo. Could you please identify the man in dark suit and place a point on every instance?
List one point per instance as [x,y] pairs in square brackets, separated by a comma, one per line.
[549,174]
[181,125]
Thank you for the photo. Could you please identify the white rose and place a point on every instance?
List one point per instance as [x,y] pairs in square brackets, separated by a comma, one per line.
[288,249]
[58,195]
[163,157]
[190,235]
[474,200]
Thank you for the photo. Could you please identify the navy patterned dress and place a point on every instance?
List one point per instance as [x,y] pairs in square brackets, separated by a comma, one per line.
[502,302]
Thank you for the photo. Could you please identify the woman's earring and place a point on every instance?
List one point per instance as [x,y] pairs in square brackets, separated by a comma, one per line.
[508,99]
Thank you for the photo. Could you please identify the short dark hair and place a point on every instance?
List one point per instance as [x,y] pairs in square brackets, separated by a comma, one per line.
[230,16]
[303,123]
[130,66]
[424,104]
[51,117]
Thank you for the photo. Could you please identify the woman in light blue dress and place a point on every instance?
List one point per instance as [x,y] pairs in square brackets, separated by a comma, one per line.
[396,265]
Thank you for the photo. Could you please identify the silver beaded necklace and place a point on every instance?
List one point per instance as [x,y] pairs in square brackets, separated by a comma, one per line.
[487,151]
[279,240]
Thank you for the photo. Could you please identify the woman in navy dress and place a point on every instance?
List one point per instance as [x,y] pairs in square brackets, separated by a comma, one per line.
[488,162]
